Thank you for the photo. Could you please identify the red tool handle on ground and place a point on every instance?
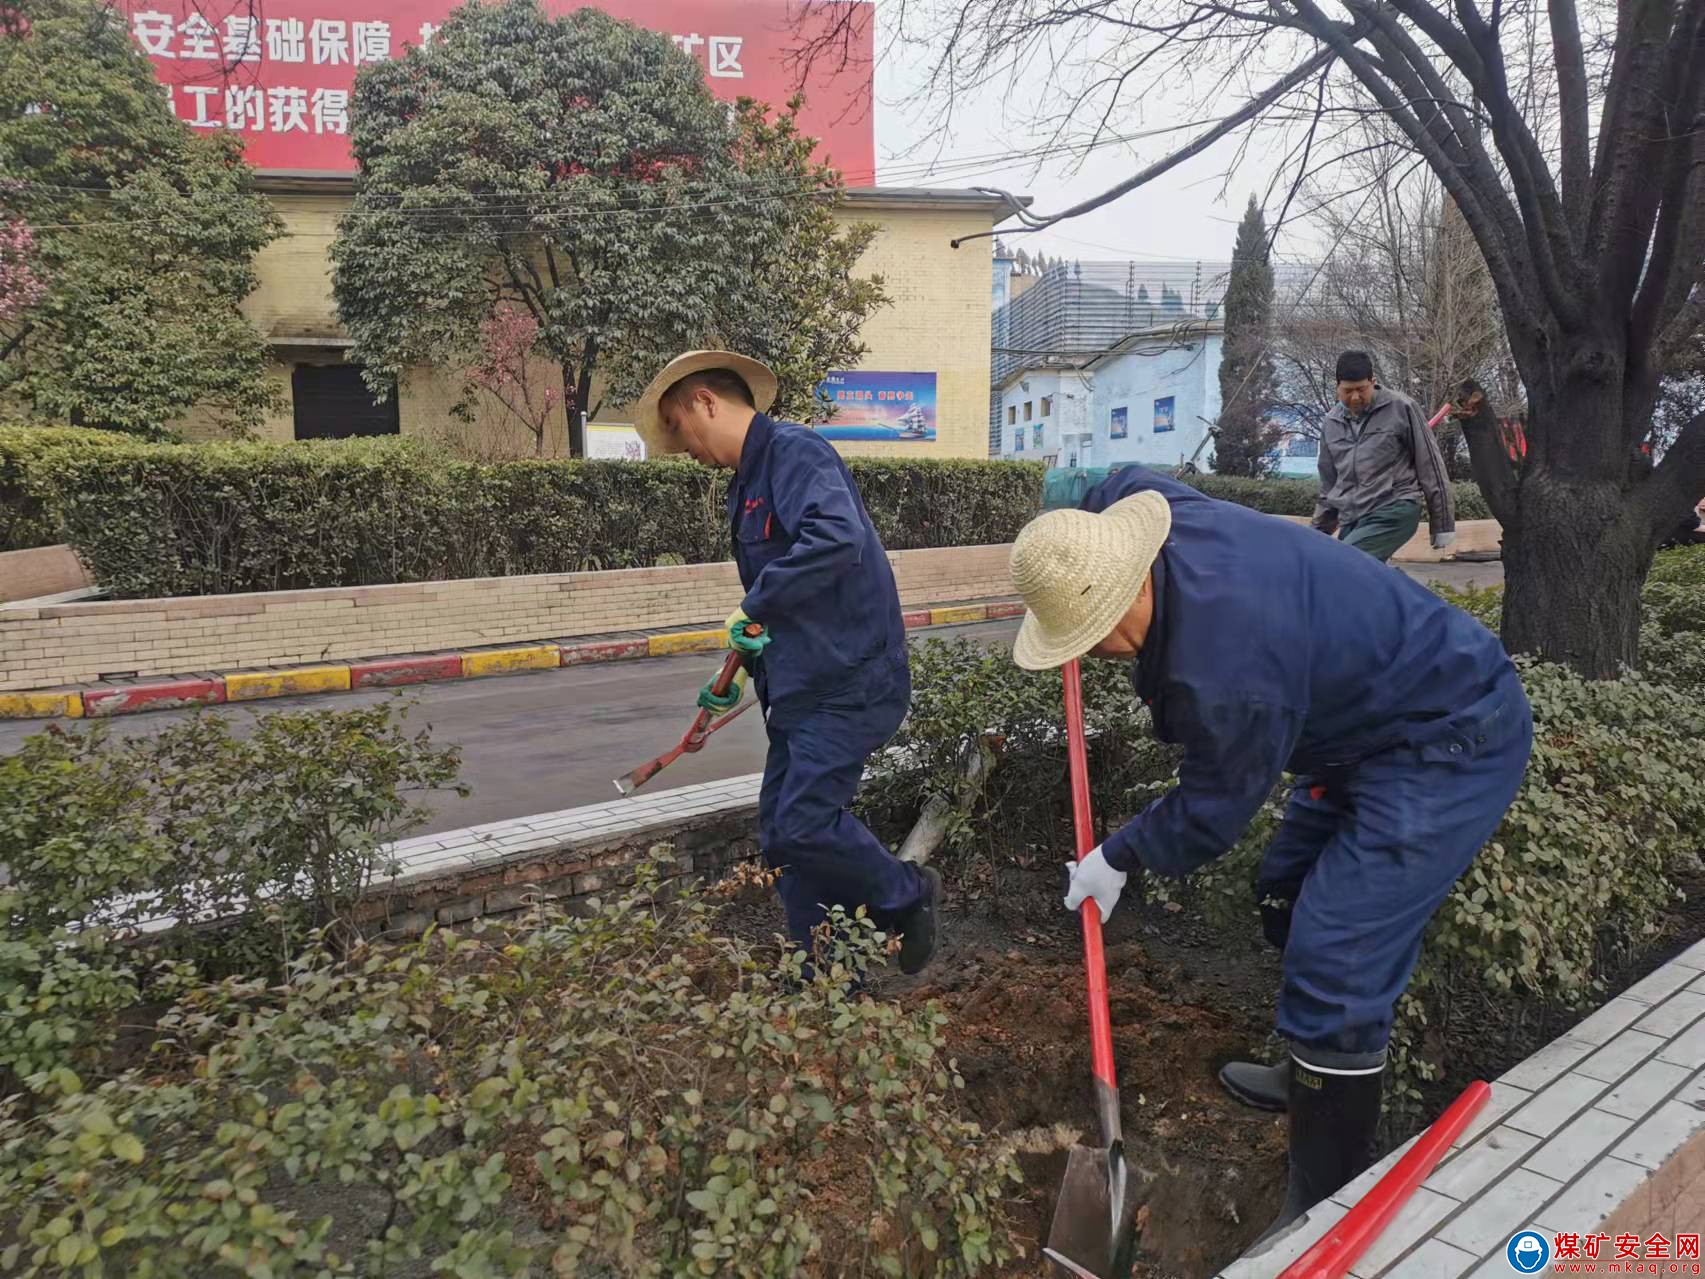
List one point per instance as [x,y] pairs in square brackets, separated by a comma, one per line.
[1343,1245]
[1094,962]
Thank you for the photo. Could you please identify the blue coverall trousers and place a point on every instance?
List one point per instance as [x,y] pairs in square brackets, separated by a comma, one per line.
[1369,852]
[826,856]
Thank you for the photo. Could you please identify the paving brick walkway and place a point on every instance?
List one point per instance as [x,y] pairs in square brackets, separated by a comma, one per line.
[1600,1132]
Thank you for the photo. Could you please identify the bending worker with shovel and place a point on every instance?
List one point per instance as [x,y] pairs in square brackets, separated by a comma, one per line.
[829,656]
[1262,648]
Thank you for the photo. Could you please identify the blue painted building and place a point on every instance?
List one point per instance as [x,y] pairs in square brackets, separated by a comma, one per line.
[1148,399]
[1156,394]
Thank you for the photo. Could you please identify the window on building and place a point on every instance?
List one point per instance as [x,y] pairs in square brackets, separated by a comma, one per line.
[1012,415]
[1027,404]
[333,403]
[1047,405]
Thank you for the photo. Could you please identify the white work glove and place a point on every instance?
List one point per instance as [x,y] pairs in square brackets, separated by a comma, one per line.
[1093,877]
[1443,541]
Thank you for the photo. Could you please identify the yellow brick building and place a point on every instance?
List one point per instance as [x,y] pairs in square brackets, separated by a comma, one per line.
[937,323]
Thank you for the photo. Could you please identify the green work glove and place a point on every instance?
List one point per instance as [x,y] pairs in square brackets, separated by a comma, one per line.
[709,701]
[742,643]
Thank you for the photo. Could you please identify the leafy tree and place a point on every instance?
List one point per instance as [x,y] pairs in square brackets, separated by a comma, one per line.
[138,236]
[505,370]
[801,307]
[577,167]
[1246,437]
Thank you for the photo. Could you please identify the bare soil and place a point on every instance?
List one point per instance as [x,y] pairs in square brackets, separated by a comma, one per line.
[1186,997]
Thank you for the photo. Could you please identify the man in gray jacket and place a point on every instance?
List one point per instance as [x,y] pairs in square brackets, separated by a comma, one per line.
[1378,459]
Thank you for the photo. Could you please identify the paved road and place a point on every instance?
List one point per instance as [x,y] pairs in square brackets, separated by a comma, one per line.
[553,739]
[548,740]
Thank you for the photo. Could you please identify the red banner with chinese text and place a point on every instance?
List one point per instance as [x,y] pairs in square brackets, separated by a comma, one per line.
[282,73]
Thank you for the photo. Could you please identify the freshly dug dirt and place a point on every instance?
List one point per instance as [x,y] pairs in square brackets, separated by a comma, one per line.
[1184,1001]
[1018,1032]
[1184,998]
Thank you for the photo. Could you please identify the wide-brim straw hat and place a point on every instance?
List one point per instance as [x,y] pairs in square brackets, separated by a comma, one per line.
[1080,573]
[658,439]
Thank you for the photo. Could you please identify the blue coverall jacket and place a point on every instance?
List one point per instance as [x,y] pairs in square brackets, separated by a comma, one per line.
[1275,649]
[814,570]
[834,679]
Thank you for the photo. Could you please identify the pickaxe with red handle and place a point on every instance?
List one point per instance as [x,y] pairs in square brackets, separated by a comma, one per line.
[704,724]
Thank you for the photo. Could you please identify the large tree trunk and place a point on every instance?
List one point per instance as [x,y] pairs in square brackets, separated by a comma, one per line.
[1578,536]
[1574,562]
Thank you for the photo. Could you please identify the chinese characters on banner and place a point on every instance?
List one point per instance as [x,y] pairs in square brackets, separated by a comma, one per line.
[878,406]
[283,77]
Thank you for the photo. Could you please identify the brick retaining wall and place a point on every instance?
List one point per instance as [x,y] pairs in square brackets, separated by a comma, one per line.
[65,644]
[58,645]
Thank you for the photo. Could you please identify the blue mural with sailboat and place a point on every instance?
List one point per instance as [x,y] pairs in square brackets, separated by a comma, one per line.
[895,407]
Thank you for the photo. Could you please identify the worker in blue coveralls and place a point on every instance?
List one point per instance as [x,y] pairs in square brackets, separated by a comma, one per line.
[1263,649]
[829,660]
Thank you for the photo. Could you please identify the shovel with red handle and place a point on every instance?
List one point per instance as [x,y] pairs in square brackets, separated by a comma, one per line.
[1094,1228]
[702,727]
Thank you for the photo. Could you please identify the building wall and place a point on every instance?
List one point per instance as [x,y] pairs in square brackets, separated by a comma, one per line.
[1069,402]
[937,321]
[1189,374]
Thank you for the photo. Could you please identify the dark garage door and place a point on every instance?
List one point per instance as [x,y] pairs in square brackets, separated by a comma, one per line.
[333,403]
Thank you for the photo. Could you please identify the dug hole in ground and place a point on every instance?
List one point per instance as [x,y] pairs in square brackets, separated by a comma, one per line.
[1187,996]
[1185,999]
[1192,983]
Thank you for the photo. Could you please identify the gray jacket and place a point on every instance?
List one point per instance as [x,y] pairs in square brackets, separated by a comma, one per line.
[1387,455]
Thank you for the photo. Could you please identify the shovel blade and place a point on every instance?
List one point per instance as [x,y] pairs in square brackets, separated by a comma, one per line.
[1094,1228]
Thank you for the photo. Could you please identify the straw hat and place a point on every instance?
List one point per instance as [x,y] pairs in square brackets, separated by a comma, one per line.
[648,422]
[1080,573]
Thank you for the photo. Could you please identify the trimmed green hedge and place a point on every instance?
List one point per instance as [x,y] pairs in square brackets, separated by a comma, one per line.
[208,519]
[29,456]
[1286,496]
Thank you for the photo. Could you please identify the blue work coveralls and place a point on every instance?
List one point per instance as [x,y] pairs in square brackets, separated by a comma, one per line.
[1274,649]
[834,681]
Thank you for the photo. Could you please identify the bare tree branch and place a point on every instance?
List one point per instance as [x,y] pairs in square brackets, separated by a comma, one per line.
[1679,480]
[1249,111]
[1576,129]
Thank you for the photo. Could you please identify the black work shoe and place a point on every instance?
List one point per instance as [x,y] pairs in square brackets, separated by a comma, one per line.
[1262,1087]
[921,925]
[1334,1109]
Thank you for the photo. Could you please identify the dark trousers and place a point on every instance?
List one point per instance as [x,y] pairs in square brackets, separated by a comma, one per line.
[1365,856]
[826,856]
[1385,530]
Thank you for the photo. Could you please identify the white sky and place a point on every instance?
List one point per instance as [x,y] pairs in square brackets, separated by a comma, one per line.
[1190,213]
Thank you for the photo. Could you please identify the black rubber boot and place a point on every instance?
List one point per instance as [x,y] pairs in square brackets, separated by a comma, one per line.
[1262,1087]
[1334,1107]
[921,925]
